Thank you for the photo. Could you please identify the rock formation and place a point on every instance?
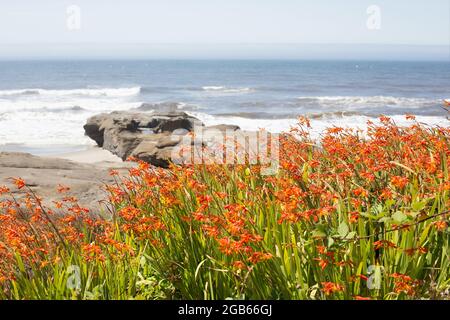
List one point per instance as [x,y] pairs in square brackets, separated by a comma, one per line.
[151,137]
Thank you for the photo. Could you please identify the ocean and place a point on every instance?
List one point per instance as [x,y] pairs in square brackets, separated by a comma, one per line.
[44,104]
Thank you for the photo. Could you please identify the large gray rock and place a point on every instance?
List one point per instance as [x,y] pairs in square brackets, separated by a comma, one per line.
[122,132]
[153,152]
[151,137]
[224,127]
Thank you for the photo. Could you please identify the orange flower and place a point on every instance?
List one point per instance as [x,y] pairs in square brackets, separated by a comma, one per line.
[329,288]
[129,213]
[303,121]
[360,192]
[143,166]
[259,256]
[221,195]
[383,244]
[399,182]
[58,204]
[440,225]
[93,252]
[113,172]
[20,183]
[322,263]
[420,250]
[354,216]
[404,284]
[385,119]
[3,189]
[363,277]
[239,265]
[62,189]
[131,159]
[322,249]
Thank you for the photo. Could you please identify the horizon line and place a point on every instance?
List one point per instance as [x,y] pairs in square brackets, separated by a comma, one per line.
[223,51]
[226,43]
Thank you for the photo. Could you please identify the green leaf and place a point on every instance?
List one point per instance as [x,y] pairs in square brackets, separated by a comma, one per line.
[198,268]
[378,209]
[418,206]
[424,235]
[330,242]
[318,234]
[399,216]
[305,173]
[385,219]
[351,235]
[388,204]
[343,229]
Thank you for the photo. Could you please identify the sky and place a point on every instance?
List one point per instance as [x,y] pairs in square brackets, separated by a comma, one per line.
[406,29]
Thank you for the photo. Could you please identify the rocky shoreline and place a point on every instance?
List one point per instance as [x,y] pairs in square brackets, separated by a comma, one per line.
[43,175]
[148,136]
[151,137]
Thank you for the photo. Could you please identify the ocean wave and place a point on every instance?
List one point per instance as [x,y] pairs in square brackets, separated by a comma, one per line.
[54,110]
[58,128]
[318,124]
[24,92]
[158,89]
[166,106]
[88,92]
[291,115]
[279,125]
[258,115]
[356,101]
[66,105]
[43,128]
[222,89]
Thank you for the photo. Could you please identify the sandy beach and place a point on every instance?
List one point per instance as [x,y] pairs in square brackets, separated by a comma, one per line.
[92,155]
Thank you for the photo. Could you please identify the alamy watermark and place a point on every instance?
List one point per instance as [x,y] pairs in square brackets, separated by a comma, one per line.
[74,278]
[374,17]
[73,19]
[374,280]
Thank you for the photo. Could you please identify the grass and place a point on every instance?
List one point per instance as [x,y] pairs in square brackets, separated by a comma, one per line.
[353,216]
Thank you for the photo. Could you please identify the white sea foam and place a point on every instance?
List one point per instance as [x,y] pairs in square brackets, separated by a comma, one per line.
[88,92]
[318,125]
[187,106]
[66,127]
[37,105]
[222,89]
[278,125]
[56,117]
[358,101]
[43,129]
[52,126]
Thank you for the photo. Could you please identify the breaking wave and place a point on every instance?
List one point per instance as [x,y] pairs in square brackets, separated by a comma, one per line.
[88,92]
[221,89]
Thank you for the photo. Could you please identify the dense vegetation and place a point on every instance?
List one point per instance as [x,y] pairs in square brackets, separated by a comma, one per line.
[353,216]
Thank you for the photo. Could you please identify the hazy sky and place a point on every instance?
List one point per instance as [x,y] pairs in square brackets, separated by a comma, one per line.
[240,27]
